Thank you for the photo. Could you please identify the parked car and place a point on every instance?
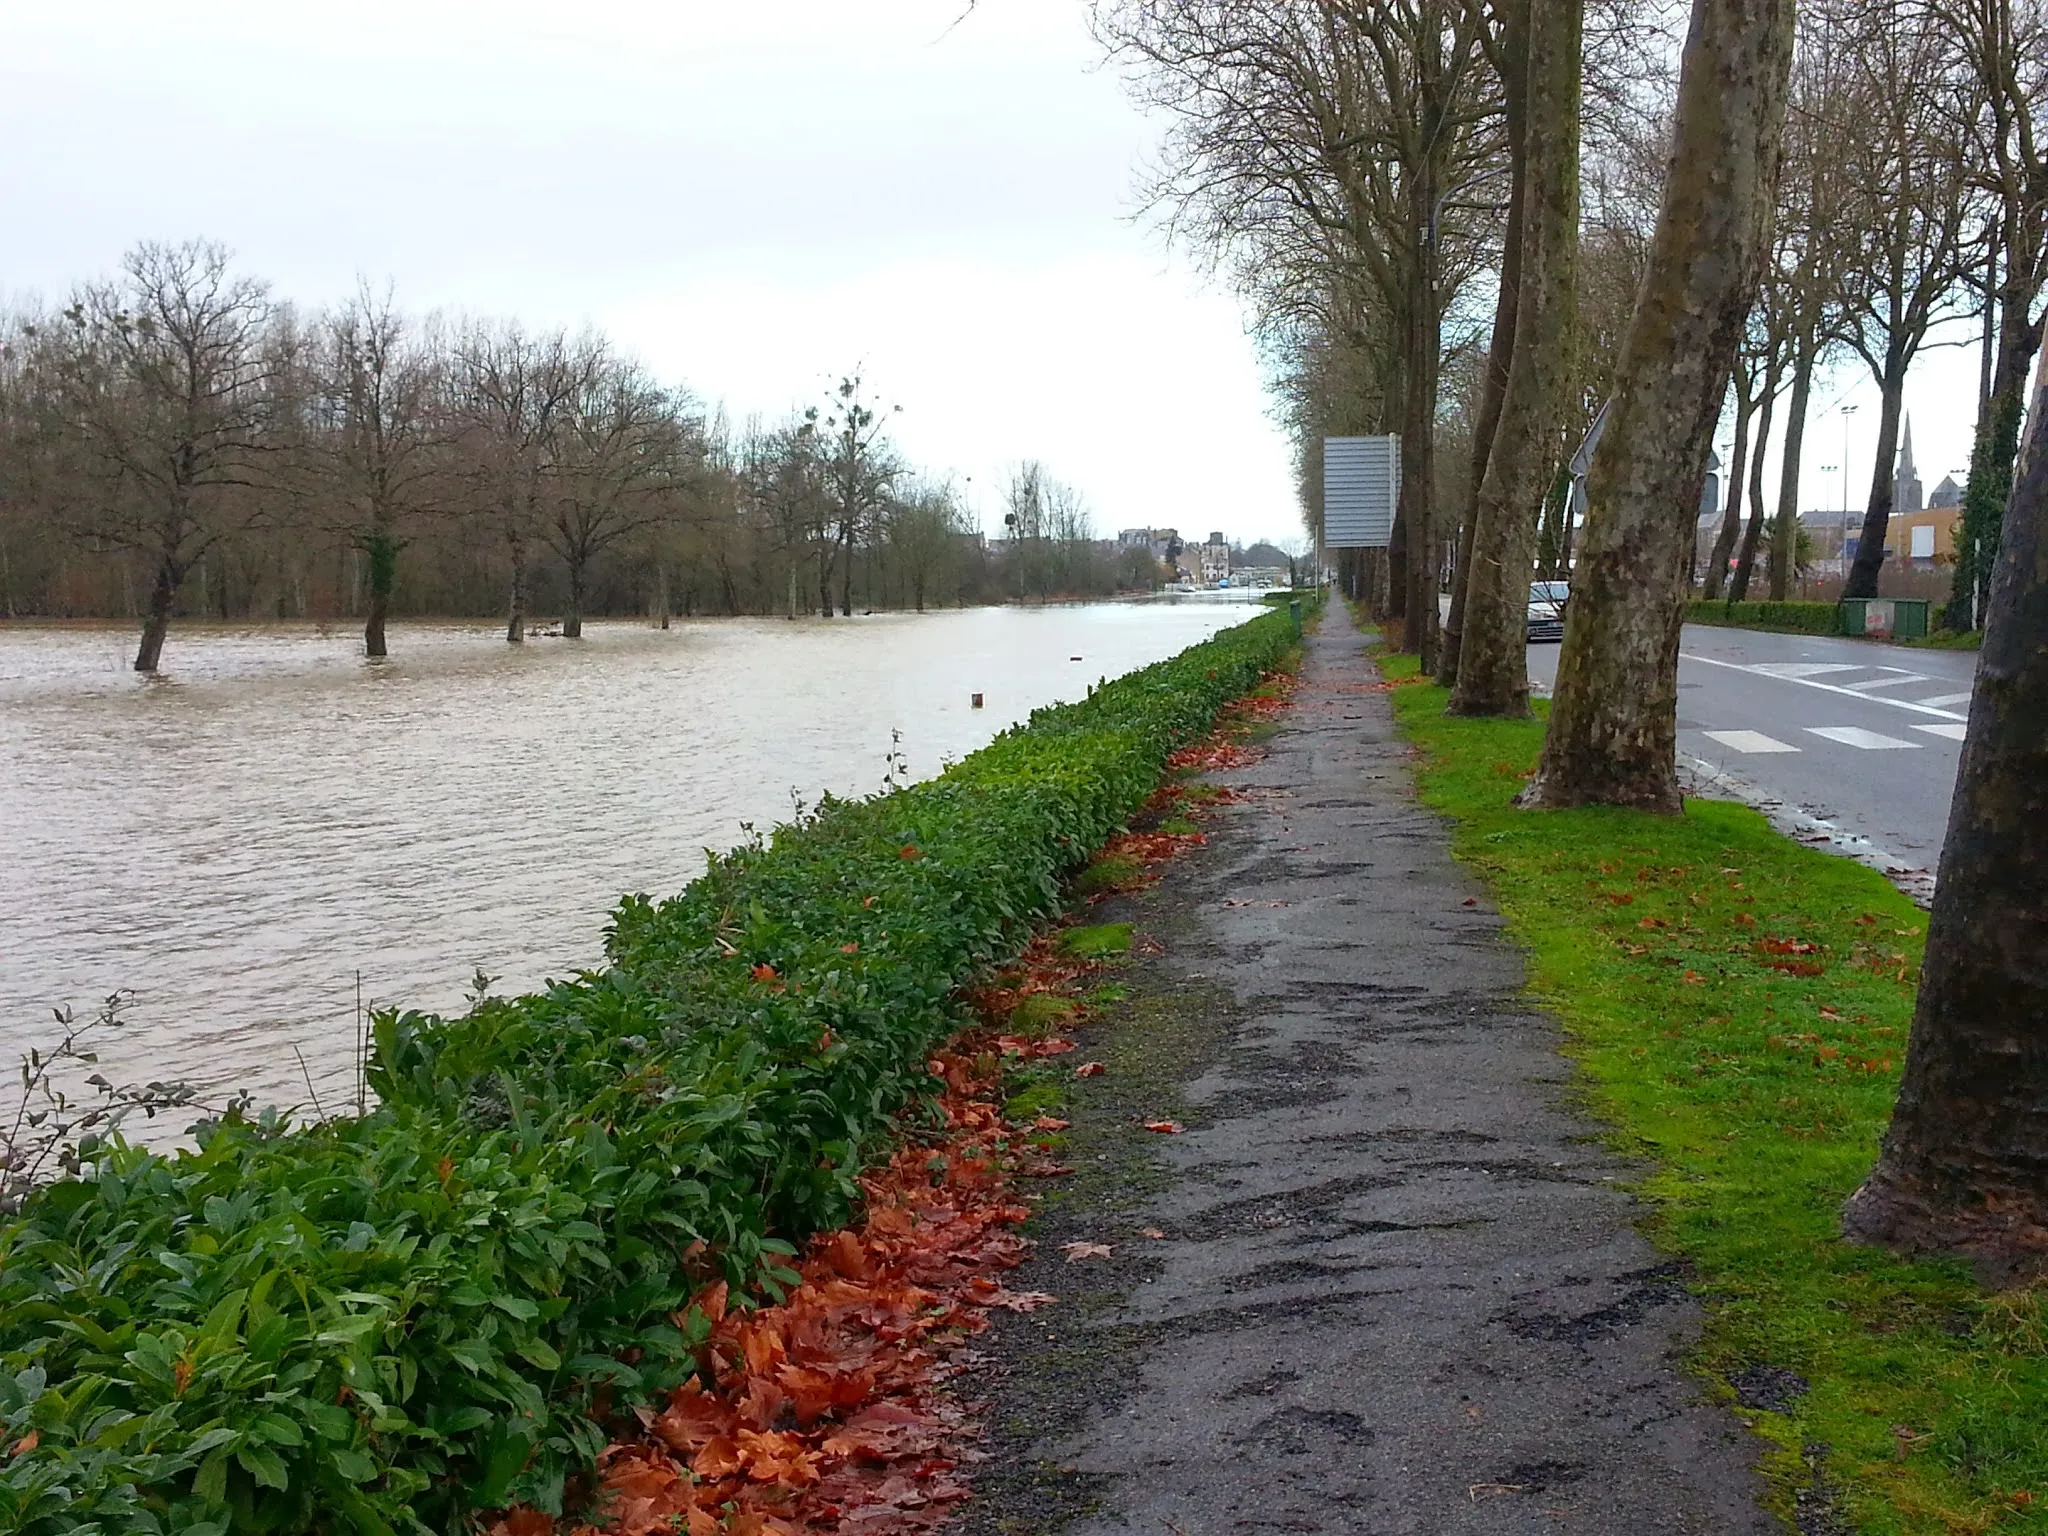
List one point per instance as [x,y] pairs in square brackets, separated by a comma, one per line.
[1547,601]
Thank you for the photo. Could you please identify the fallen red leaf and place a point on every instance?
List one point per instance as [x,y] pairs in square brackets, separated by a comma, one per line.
[1089,1069]
[1165,1127]
[764,973]
[1077,1251]
[1049,1123]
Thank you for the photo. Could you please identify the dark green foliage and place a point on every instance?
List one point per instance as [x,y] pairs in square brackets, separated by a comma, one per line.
[1990,485]
[382,1324]
[1791,618]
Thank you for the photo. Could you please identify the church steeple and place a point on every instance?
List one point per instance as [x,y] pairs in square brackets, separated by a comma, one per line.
[1906,493]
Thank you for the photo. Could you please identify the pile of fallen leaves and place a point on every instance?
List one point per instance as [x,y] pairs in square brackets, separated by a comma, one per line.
[828,1412]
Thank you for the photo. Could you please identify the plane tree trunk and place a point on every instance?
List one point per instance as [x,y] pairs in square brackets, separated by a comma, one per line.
[515,608]
[1493,381]
[1753,534]
[1785,528]
[1964,1165]
[1731,518]
[1612,736]
[1493,672]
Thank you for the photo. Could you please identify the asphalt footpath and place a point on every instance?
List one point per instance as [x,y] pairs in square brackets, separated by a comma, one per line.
[1388,1280]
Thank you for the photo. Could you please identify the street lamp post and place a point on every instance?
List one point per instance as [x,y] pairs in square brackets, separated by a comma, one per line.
[1847,412]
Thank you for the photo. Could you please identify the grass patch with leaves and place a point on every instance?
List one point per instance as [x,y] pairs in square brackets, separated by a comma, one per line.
[1740,1006]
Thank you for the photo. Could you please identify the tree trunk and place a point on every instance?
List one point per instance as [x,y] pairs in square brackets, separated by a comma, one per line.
[1877,516]
[1785,526]
[156,620]
[1731,519]
[1752,536]
[1612,737]
[1418,480]
[1493,673]
[515,616]
[383,552]
[1964,1166]
[825,579]
[572,618]
[1493,381]
[1991,455]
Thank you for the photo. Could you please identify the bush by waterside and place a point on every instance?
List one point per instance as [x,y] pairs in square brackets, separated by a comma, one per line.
[381,1324]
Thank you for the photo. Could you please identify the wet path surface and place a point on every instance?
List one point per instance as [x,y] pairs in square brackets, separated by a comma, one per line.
[1395,1288]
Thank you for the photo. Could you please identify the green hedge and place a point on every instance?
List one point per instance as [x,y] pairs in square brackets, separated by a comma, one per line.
[1791,618]
[382,1324]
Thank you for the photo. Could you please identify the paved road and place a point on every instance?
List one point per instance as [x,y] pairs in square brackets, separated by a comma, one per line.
[1840,736]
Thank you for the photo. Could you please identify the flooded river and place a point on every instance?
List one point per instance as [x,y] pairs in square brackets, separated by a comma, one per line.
[236,841]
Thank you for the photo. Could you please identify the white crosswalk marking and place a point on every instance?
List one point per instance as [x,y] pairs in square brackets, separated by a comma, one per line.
[1748,741]
[1952,732]
[1856,736]
[1800,668]
[1945,700]
[1890,682]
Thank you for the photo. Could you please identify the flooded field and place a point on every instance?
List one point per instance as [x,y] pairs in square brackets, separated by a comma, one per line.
[236,841]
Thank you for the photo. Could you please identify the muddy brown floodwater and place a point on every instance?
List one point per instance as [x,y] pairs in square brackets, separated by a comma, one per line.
[234,841]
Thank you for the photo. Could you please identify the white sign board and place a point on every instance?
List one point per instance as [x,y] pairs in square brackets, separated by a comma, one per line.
[1361,488]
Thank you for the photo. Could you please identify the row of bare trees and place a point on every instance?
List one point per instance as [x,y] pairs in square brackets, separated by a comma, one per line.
[1836,185]
[175,440]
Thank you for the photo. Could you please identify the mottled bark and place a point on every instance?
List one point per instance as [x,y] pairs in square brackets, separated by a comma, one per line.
[1991,455]
[1493,380]
[1493,674]
[1964,1166]
[1731,516]
[1418,481]
[1612,737]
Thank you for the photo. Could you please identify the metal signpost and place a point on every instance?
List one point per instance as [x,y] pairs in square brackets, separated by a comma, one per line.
[1361,488]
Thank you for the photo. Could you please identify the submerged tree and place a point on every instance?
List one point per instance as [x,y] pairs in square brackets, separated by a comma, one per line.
[1612,737]
[162,384]
[1964,1167]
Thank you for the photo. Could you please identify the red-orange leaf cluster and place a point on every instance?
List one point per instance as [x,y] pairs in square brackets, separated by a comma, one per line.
[829,1413]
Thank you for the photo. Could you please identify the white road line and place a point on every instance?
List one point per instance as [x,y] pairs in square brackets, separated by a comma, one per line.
[1796,670]
[1856,736]
[1889,682]
[1807,682]
[1952,732]
[1945,700]
[1748,741]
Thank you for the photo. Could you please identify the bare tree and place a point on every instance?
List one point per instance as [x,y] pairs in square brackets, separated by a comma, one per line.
[512,393]
[162,383]
[1612,736]
[859,466]
[1907,193]
[623,452]
[380,389]
[1964,1167]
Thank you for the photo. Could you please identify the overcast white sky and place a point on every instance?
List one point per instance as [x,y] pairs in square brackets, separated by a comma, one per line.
[755,197]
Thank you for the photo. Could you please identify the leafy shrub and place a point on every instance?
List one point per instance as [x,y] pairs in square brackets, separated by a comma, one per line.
[1791,618]
[379,1324]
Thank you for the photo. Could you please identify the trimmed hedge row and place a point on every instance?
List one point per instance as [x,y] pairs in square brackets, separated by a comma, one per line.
[1791,618]
[383,1324]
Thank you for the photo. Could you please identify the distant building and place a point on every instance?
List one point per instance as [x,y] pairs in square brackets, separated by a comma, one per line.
[1215,557]
[1906,493]
[1946,495]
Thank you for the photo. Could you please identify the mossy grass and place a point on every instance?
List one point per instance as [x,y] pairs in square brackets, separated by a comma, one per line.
[1097,940]
[1739,1005]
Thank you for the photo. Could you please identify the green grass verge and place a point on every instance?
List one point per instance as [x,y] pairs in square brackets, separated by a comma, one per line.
[1739,1005]
[448,1305]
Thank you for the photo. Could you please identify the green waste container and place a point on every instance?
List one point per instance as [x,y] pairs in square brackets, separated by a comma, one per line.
[1890,618]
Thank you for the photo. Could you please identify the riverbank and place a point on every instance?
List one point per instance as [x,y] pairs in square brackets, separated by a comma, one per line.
[429,1310]
[1738,1006]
